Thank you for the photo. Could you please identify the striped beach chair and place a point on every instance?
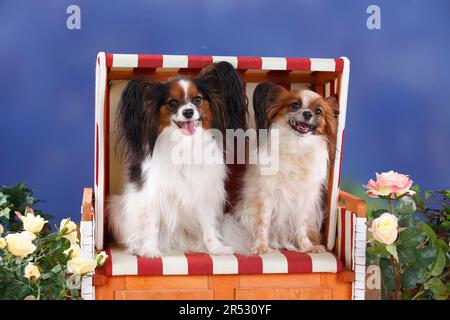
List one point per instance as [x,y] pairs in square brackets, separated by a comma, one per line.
[336,274]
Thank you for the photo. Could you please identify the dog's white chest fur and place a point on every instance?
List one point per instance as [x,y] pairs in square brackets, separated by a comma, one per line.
[288,202]
[180,201]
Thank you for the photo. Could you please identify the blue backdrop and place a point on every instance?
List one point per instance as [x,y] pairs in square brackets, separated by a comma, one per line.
[398,107]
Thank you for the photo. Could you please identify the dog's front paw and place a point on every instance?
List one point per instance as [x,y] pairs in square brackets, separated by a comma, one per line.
[290,246]
[147,252]
[305,245]
[261,249]
[318,248]
[220,249]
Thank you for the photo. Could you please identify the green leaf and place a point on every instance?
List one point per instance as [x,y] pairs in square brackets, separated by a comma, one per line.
[56,269]
[5,212]
[20,196]
[445,225]
[406,295]
[429,232]
[379,212]
[378,250]
[406,254]
[411,236]
[392,249]
[406,205]
[442,245]
[439,265]
[407,221]
[387,274]
[3,198]
[74,293]
[412,276]
[436,286]
[425,257]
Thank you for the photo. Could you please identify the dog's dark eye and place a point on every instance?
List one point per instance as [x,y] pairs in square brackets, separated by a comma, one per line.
[197,100]
[173,104]
[318,112]
[295,105]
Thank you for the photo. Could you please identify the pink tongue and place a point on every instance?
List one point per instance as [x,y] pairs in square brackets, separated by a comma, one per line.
[188,128]
[304,127]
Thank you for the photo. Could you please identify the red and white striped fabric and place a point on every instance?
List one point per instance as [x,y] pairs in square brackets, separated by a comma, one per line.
[351,248]
[152,61]
[122,263]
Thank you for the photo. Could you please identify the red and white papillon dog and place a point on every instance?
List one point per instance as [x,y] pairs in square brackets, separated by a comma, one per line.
[285,209]
[167,205]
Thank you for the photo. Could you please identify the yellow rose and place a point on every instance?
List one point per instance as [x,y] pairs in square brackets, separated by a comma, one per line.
[33,223]
[32,272]
[19,244]
[81,265]
[384,228]
[2,243]
[28,235]
[101,258]
[72,237]
[74,251]
[68,225]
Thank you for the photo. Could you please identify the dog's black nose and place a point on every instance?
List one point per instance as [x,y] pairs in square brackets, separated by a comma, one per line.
[188,113]
[307,115]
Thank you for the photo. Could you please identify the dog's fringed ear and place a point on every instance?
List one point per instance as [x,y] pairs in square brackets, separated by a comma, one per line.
[266,100]
[331,124]
[333,103]
[224,89]
[137,118]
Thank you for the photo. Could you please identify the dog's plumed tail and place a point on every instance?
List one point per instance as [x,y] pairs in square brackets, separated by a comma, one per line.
[235,234]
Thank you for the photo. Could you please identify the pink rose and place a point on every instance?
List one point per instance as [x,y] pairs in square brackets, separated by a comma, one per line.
[384,228]
[391,184]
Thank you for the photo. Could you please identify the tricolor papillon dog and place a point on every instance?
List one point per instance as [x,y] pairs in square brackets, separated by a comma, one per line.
[167,204]
[285,209]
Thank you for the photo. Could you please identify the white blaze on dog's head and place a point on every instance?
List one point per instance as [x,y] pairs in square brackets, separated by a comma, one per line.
[184,106]
[308,96]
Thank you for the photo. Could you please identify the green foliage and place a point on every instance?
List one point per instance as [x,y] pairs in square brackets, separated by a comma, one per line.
[435,207]
[421,247]
[51,261]
[406,205]
[54,279]
[18,198]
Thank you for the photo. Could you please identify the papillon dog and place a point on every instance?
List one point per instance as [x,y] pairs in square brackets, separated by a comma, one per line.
[285,210]
[169,204]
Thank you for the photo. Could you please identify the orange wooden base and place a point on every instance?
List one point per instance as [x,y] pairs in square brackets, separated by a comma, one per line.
[312,286]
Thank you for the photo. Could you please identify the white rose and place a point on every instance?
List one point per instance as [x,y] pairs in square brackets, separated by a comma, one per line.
[81,265]
[33,223]
[74,251]
[32,272]
[19,244]
[101,258]
[68,224]
[1,229]
[2,243]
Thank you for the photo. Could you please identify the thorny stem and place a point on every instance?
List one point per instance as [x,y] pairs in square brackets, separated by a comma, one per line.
[419,293]
[397,279]
[391,206]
